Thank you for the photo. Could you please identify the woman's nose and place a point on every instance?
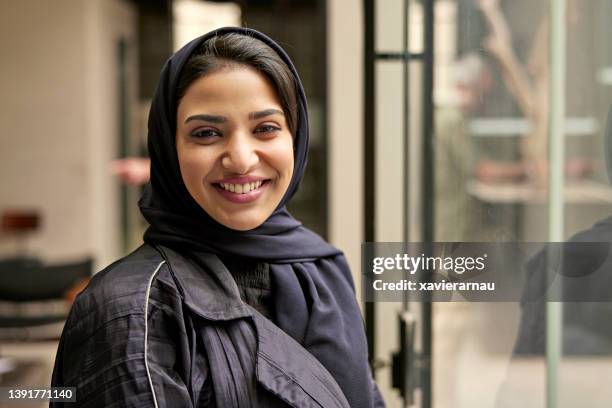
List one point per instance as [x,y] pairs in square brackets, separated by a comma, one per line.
[240,155]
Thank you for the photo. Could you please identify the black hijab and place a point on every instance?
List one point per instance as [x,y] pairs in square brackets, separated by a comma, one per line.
[314,299]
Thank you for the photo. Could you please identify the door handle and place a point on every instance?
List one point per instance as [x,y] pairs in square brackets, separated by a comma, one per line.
[404,367]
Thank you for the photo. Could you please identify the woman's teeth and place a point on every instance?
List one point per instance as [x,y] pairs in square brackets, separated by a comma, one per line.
[241,188]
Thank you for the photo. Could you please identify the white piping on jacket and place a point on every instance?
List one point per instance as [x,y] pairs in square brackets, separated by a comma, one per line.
[146,332]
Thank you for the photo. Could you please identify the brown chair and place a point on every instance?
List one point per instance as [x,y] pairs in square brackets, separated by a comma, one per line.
[19,224]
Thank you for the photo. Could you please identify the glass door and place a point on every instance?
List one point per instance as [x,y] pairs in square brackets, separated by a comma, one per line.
[487,121]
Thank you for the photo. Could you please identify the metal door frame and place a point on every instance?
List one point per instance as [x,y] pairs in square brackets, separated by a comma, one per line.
[426,58]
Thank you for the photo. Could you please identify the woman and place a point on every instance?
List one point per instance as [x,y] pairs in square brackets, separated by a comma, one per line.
[230,302]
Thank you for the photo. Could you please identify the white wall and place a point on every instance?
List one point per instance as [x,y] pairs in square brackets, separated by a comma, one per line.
[43,120]
[58,125]
[345,129]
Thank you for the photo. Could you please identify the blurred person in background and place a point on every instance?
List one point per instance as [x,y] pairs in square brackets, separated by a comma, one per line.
[459,216]
[230,301]
[456,212]
[133,171]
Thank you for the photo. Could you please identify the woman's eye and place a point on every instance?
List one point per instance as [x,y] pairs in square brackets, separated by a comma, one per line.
[205,133]
[267,129]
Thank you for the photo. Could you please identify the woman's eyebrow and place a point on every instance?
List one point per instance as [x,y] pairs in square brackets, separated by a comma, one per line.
[264,113]
[207,118]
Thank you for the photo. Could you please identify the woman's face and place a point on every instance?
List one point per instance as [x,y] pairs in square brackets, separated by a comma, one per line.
[234,147]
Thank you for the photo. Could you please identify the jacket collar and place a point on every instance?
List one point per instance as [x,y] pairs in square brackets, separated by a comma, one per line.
[206,284]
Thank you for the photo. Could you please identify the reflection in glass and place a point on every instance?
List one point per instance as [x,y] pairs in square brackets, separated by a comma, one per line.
[492,180]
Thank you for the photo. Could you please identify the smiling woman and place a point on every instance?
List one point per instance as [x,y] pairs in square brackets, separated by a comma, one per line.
[230,302]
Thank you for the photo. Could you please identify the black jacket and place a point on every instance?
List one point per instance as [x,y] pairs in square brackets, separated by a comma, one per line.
[157,329]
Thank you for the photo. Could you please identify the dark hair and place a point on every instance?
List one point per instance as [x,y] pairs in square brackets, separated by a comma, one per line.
[235,49]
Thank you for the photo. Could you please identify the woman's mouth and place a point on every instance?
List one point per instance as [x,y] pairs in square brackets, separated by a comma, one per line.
[242,193]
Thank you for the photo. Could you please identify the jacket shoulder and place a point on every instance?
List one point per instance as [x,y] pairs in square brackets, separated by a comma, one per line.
[103,346]
[119,289]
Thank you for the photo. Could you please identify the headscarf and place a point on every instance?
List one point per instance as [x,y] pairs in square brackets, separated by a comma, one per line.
[314,299]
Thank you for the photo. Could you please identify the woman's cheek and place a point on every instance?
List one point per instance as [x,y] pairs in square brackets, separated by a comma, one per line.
[282,155]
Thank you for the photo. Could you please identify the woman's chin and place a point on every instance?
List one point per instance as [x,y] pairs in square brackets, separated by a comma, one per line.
[244,227]
[241,222]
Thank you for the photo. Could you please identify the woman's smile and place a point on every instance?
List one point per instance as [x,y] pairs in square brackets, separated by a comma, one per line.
[242,190]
